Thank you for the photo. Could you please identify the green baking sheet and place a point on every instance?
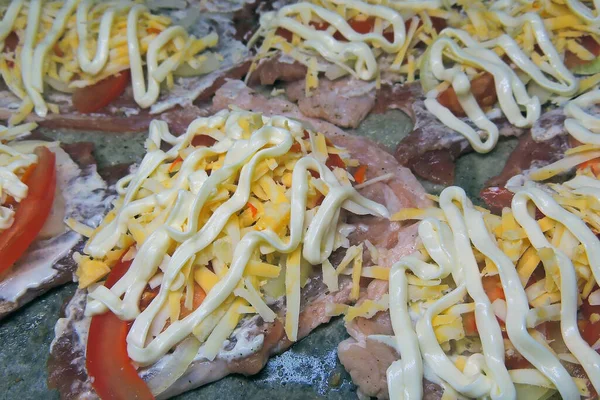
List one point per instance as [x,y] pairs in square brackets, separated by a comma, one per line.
[309,370]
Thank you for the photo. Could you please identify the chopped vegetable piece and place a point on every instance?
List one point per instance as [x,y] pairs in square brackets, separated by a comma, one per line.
[32,212]
[97,96]
[483,89]
[107,362]
[361,174]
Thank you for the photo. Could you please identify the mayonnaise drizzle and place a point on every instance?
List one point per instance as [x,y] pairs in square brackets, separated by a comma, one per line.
[588,357]
[485,374]
[33,54]
[357,46]
[511,91]
[241,157]
[580,124]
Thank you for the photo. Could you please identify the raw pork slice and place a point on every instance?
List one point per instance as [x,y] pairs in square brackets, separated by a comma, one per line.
[82,195]
[527,155]
[398,189]
[344,102]
[431,148]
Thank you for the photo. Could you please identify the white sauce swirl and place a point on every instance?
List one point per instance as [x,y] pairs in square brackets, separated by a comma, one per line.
[450,247]
[241,157]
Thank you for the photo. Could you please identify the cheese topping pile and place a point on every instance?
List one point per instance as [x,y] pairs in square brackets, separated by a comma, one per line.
[465,247]
[236,218]
[74,44]
[354,35]
[14,162]
[544,268]
[521,46]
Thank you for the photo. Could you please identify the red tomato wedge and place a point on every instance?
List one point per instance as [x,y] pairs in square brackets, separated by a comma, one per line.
[483,89]
[97,96]
[32,212]
[107,362]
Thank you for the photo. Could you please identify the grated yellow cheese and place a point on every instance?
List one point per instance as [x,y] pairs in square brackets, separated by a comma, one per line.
[292,292]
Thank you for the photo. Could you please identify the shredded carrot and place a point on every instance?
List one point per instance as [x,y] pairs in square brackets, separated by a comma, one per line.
[593,165]
[152,30]
[199,296]
[253,210]
[175,164]
[493,287]
[335,161]
[469,324]
[361,174]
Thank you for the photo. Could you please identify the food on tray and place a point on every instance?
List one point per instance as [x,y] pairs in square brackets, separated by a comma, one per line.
[253,219]
[500,304]
[42,184]
[107,65]
[219,252]
[485,70]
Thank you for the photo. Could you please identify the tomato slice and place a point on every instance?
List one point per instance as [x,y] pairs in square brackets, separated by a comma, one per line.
[107,362]
[483,89]
[97,96]
[32,212]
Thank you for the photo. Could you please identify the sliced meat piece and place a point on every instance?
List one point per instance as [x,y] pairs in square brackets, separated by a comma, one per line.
[277,68]
[527,155]
[367,152]
[549,125]
[187,91]
[367,363]
[48,262]
[436,166]
[496,198]
[344,102]
[367,359]
[433,142]
[530,154]
[398,97]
